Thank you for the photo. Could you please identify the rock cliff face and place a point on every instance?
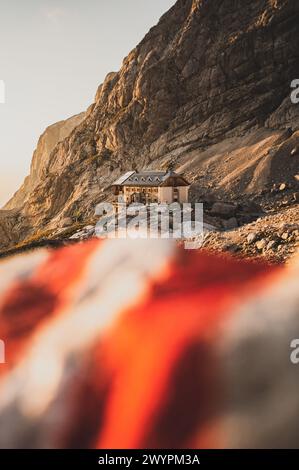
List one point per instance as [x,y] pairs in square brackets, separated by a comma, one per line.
[41,157]
[208,89]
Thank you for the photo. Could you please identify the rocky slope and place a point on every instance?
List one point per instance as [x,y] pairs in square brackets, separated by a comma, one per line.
[207,89]
[273,237]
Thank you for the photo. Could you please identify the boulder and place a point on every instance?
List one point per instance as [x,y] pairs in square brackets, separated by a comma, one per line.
[285,236]
[78,236]
[261,244]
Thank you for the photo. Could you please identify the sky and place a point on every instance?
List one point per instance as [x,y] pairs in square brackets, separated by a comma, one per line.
[53,56]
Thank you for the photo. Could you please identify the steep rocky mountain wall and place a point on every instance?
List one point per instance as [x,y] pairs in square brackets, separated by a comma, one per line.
[211,73]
